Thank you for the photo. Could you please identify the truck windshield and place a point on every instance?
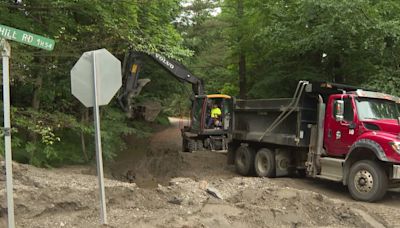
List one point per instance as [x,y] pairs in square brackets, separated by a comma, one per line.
[371,108]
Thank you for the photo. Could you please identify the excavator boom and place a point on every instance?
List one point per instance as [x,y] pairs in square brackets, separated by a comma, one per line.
[133,84]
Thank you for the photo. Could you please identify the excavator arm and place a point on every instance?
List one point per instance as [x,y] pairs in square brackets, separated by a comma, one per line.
[133,84]
[180,72]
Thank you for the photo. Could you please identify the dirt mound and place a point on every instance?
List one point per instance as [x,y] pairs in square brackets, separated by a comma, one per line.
[155,160]
[67,198]
[150,161]
[155,169]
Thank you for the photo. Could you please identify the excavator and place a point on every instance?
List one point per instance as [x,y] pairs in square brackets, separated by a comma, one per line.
[199,134]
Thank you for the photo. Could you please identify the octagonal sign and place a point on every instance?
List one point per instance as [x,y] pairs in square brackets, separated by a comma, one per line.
[108,77]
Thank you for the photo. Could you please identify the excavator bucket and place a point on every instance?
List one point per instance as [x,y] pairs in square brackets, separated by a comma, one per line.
[147,110]
[140,84]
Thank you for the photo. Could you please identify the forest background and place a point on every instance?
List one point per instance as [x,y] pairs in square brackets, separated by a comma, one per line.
[244,48]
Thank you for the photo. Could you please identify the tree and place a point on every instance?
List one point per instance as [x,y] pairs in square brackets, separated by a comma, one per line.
[204,32]
[46,118]
[354,42]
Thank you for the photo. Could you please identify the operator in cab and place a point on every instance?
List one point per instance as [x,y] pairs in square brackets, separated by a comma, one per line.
[215,116]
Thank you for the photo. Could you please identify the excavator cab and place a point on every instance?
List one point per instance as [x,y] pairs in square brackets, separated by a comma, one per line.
[206,131]
[201,119]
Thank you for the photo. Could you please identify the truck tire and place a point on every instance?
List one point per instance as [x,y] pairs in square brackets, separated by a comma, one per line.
[192,145]
[185,145]
[244,160]
[264,163]
[200,145]
[367,181]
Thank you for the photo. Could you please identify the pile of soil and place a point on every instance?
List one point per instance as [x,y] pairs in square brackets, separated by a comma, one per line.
[68,198]
[155,160]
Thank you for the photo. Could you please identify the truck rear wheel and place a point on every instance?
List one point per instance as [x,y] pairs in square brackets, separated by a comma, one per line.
[264,163]
[367,181]
[244,160]
[185,145]
[192,145]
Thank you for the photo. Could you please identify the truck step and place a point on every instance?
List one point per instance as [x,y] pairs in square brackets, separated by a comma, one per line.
[331,169]
[331,178]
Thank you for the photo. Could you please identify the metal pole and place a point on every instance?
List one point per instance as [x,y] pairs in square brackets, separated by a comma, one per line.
[99,153]
[6,52]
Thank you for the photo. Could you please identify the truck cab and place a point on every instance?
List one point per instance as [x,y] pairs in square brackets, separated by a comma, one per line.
[362,115]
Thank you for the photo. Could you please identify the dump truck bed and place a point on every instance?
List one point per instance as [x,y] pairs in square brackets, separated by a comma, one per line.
[252,118]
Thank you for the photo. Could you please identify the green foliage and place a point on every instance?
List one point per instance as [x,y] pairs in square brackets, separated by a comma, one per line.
[353,42]
[162,120]
[205,34]
[50,127]
[177,105]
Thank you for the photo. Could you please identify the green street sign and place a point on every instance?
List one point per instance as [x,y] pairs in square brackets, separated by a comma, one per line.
[26,38]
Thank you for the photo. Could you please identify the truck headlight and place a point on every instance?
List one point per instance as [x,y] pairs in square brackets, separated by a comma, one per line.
[395,146]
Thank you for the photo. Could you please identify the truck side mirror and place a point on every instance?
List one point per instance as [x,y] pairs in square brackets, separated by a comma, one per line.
[339,110]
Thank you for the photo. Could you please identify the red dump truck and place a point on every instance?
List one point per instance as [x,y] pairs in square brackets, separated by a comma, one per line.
[326,130]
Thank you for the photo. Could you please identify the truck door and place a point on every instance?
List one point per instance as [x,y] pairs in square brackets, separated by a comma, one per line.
[339,135]
[197,113]
[226,113]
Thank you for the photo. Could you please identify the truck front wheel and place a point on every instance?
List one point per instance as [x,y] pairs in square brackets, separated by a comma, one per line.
[264,163]
[367,181]
[244,160]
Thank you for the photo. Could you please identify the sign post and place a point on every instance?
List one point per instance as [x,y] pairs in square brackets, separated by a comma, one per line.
[95,79]
[99,151]
[8,33]
[6,52]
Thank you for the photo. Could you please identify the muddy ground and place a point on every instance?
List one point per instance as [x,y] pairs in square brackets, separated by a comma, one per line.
[152,184]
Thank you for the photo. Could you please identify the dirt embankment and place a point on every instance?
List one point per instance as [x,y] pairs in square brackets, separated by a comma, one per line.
[68,198]
[154,185]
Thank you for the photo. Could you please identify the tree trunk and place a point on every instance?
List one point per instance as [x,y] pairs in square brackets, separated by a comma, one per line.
[36,92]
[242,76]
[35,103]
[337,71]
[242,56]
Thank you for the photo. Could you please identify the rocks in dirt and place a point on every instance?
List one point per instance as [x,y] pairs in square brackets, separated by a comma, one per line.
[214,192]
[240,205]
[130,176]
[368,218]
[162,189]
[203,184]
[2,170]
[175,200]
[179,180]
[3,211]
[37,184]
[319,197]
[344,215]
[344,212]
